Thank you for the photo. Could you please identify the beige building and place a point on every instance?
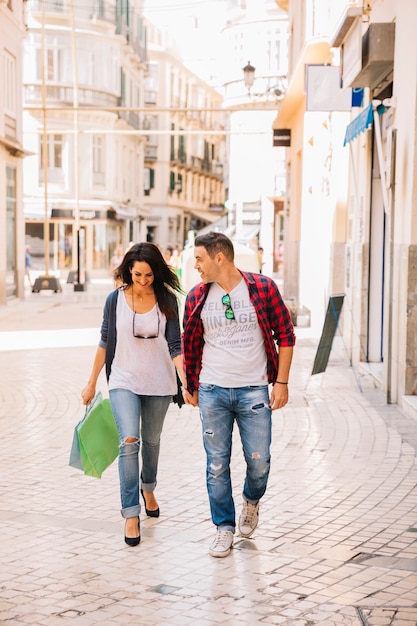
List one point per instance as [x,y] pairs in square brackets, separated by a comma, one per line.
[185,147]
[12,250]
[351,182]
[83,86]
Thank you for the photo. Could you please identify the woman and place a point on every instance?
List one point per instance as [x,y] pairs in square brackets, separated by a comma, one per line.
[140,344]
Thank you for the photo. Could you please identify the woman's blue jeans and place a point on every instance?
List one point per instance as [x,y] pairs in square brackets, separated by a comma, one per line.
[140,419]
[219,408]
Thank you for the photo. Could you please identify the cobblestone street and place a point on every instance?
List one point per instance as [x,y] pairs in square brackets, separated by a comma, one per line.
[337,538]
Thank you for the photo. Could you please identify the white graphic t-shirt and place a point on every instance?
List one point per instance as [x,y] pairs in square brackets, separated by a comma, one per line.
[234,351]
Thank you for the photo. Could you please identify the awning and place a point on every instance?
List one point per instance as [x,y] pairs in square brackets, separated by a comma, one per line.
[35,209]
[219,225]
[315,52]
[64,208]
[206,216]
[246,233]
[361,123]
[368,118]
[125,212]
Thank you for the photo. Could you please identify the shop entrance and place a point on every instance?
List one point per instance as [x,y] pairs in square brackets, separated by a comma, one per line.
[101,238]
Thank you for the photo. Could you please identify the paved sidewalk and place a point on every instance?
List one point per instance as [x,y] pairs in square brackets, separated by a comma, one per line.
[337,538]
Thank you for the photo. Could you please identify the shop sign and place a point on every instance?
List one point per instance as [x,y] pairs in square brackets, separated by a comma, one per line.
[282,137]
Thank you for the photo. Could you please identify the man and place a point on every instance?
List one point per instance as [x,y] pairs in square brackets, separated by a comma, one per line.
[231,321]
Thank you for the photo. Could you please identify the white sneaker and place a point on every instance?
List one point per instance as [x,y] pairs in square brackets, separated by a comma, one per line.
[222,544]
[249,518]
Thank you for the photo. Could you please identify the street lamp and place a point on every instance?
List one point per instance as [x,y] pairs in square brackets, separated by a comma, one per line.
[249,76]
[278,89]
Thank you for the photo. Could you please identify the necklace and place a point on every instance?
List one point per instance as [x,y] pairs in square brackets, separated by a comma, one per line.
[151,293]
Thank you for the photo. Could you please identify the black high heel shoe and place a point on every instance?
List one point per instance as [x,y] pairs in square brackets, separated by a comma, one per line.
[154,513]
[133,541]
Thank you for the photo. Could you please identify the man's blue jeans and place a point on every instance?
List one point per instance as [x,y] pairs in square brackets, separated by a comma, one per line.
[219,408]
[139,418]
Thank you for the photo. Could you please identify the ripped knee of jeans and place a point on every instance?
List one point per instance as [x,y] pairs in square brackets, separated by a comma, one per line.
[128,441]
[216,470]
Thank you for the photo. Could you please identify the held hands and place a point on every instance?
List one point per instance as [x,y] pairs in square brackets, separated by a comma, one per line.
[279,396]
[190,398]
[88,394]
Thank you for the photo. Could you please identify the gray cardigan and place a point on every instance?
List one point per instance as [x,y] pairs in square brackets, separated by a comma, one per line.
[108,331]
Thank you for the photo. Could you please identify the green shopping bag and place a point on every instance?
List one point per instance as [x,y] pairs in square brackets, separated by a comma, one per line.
[98,439]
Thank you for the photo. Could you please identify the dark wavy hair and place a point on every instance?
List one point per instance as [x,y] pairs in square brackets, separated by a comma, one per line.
[166,281]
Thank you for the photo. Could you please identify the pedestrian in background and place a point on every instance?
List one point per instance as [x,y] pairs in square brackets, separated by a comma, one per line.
[116,258]
[28,264]
[140,346]
[168,254]
[231,323]
[261,262]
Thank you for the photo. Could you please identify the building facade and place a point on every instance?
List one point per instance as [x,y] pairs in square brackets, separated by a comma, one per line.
[84,110]
[371,224]
[256,32]
[316,165]
[185,148]
[12,250]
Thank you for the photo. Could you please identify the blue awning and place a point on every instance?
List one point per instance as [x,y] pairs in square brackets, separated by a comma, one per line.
[361,123]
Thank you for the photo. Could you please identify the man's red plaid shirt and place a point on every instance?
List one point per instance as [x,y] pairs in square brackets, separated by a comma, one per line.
[273,317]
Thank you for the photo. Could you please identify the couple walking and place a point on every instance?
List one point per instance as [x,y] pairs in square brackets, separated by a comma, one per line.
[226,359]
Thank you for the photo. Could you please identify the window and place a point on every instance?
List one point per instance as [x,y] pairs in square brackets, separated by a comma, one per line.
[172,144]
[54,148]
[11,216]
[9,70]
[122,99]
[148,180]
[53,66]
[151,84]
[182,156]
[171,181]
[89,68]
[151,80]
[99,160]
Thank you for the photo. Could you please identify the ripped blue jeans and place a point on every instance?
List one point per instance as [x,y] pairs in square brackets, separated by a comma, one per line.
[219,408]
[139,418]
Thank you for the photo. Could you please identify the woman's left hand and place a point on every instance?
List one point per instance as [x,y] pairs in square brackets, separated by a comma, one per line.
[190,398]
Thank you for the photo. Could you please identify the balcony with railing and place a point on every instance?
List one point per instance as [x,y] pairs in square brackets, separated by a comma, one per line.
[64,95]
[127,32]
[196,163]
[151,152]
[88,10]
[212,167]
[131,118]
[150,96]
[93,11]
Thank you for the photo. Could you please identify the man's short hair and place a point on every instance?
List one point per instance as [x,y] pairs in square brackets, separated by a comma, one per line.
[214,243]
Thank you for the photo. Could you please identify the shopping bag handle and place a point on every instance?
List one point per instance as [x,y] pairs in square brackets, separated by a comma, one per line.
[95,401]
